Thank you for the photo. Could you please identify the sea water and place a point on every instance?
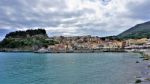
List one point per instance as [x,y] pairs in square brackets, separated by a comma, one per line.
[68,68]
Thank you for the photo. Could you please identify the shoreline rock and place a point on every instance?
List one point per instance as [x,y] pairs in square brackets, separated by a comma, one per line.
[144,78]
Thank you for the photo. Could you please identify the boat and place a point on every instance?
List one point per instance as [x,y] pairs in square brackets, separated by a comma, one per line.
[42,50]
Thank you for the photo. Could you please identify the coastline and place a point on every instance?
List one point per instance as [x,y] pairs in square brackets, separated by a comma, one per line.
[144,77]
[65,51]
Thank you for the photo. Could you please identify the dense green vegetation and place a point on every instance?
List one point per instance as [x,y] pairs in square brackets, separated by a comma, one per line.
[22,34]
[17,43]
[138,31]
[111,38]
[29,38]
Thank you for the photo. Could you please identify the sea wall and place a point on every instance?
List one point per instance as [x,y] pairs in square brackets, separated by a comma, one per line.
[66,51]
[84,51]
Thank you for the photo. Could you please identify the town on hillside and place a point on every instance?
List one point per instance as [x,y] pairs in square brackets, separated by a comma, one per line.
[87,43]
[38,41]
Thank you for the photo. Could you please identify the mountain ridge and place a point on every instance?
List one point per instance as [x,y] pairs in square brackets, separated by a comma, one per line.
[138,31]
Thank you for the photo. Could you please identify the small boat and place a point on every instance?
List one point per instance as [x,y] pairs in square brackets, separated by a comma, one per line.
[42,50]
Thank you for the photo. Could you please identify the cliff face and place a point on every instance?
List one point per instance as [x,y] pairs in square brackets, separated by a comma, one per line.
[138,31]
[26,39]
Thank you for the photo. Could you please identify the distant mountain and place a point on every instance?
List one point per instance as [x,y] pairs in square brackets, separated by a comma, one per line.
[138,31]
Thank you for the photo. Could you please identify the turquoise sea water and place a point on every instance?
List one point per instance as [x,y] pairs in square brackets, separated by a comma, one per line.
[69,68]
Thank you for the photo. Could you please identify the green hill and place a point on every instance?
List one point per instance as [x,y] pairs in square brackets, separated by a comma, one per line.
[26,40]
[27,33]
[138,31]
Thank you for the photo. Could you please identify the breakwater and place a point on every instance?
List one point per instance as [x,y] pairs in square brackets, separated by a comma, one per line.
[84,51]
[66,51]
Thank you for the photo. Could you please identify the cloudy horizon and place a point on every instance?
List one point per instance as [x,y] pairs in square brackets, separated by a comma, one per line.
[73,17]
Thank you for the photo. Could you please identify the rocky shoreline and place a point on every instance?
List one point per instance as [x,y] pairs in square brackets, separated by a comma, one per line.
[144,77]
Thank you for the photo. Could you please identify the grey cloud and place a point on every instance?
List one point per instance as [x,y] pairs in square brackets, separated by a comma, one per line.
[140,11]
[23,13]
[54,14]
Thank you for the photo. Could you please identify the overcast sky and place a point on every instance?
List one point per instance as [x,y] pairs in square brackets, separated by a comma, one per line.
[73,17]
